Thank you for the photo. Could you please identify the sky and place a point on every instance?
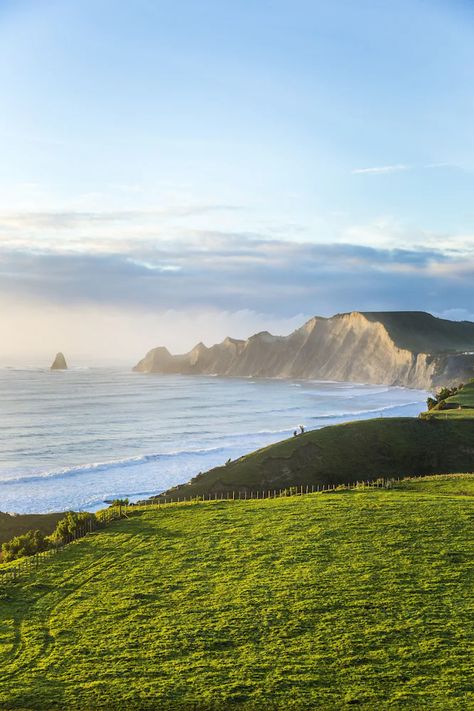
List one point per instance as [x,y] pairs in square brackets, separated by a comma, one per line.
[177,171]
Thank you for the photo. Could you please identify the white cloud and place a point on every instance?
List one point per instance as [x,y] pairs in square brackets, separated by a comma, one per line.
[154,267]
[382,169]
[387,233]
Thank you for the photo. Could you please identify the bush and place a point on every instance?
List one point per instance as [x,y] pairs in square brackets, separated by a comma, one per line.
[443,393]
[35,542]
[72,524]
[27,544]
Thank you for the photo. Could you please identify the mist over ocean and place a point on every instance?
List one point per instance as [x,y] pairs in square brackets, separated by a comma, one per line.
[69,440]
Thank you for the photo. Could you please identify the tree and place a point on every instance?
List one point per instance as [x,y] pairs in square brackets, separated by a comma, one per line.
[28,543]
[120,503]
[442,394]
[71,524]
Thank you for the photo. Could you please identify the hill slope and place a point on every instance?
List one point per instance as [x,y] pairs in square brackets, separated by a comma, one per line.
[367,449]
[312,602]
[465,397]
[413,349]
[459,406]
[15,525]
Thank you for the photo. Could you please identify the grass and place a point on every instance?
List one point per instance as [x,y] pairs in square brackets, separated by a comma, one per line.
[452,485]
[323,601]
[14,525]
[392,446]
[420,332]
[466,413]
[464,397]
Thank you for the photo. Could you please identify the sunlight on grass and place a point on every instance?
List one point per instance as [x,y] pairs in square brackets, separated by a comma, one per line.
[353,597]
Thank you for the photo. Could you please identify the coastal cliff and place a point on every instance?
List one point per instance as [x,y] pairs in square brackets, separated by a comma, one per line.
[412,349]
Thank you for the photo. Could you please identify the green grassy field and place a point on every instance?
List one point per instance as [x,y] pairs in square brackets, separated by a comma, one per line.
[466,413]
[367,449]
[361,597]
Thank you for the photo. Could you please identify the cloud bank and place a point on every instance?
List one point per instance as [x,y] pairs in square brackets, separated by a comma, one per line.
[235,272]
[114,294]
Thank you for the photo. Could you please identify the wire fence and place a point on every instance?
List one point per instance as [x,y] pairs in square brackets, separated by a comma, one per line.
[16,570]
[245,494]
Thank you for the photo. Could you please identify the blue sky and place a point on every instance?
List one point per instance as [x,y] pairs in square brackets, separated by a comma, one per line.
[181,170]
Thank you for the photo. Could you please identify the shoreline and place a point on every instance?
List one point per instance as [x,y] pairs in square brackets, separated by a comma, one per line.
[148,436]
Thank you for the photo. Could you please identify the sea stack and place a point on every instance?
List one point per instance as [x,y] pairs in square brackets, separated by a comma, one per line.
[59,362]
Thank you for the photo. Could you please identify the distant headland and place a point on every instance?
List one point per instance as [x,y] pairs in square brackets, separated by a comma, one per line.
[408,348]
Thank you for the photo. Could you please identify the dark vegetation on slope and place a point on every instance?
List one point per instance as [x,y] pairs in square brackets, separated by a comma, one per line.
[18,524]
[327,601]
[420,332]
[70,526]
[455,402]
[367,449]
[464,397]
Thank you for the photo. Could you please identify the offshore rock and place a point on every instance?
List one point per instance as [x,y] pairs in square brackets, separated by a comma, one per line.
[59,362]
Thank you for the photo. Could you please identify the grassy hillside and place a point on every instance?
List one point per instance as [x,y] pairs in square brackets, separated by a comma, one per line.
[366,449]
[321,601]
[15,525]
[464,400]
[421,332]
[465,397]
[465,413]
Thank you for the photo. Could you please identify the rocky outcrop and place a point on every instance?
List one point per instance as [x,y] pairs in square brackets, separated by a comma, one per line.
[59,362]
[413,349]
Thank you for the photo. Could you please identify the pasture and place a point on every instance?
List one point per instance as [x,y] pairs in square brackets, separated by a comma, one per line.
[329,600]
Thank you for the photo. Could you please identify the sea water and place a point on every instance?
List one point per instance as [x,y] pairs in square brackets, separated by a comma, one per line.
[73,439]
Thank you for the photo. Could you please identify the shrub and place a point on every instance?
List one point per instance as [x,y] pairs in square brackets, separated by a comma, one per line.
[120,503]
[27,544]
[443,393]
[72,524]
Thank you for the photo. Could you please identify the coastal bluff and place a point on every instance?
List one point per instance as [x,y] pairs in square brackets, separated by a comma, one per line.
[407,348]
[59,363]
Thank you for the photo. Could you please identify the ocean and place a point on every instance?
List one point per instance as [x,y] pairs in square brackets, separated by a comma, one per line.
[73,439]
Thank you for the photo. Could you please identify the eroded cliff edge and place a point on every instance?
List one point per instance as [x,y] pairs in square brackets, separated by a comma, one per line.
[413,349]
